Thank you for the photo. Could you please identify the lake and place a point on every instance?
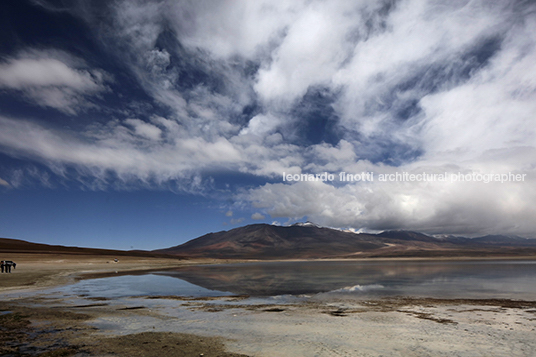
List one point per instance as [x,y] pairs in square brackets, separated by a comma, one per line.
[514,279]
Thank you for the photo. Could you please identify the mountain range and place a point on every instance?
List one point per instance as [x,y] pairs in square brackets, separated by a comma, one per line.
[309,241]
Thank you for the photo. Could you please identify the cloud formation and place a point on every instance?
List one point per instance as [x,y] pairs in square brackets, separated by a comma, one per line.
[257,216]
[52,79]
[4,183]
[265,87]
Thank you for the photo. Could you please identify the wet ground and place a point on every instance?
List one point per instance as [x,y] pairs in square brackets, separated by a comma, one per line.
[50,331]
[53,325]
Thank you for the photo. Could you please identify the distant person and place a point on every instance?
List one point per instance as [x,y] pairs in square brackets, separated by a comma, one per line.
[6,266]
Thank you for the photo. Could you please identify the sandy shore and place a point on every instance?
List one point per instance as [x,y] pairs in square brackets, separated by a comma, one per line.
[64,324]
[37,271]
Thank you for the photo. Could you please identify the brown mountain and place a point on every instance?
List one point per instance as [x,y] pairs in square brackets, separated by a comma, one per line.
[263,241]
[306,241]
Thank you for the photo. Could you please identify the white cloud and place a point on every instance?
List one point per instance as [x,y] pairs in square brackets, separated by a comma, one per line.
[314,48]
[145,130]
[237,220]
[416,39]
[493,110]
[49,79]
[23,73]
[261,124]
[257,216]
[116,150]
[252,25]
[156,152]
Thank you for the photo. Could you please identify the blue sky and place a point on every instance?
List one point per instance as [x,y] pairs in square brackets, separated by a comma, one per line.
[147,123]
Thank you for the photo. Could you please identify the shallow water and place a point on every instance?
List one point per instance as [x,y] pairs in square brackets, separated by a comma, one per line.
[136,285]
[445,279]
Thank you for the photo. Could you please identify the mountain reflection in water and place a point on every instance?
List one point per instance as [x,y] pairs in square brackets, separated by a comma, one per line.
[507,279]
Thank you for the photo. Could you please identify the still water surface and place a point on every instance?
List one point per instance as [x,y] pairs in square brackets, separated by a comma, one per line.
[442,279]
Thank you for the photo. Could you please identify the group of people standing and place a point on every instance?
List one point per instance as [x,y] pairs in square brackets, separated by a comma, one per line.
[6,266]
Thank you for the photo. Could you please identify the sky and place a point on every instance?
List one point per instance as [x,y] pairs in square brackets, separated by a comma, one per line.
[141,124]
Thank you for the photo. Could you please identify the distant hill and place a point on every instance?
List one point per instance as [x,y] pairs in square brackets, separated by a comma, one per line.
[307,241]
[8,245]
[407,236]
[508,240]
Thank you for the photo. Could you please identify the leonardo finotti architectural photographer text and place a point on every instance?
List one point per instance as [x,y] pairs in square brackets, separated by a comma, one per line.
[368,176]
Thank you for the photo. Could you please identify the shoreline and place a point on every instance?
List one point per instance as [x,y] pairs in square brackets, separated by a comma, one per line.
[67,324]
[44,270]
[36,271]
